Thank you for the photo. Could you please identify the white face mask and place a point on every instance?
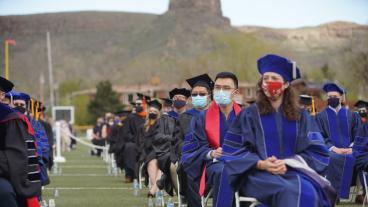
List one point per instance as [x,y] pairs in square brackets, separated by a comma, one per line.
[222,97]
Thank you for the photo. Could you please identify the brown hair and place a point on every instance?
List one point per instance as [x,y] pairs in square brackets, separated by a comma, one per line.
[289,106]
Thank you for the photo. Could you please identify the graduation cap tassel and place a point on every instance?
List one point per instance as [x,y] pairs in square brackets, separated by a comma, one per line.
[313,107]
[36,111]
[32,107]
[294,70]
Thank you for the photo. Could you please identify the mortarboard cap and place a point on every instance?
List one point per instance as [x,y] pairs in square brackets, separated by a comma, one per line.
[179,91]
[329,87]
[5,85]
[202,80]
[167,102]
[156,104]
[361,104]
[280,65]
[141,97]
[305,100]
[16,95]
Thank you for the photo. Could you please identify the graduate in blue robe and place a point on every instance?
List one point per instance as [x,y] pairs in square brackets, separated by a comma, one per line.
[201,90]
[267,135]
[339,127]
[360,148]
[202,145]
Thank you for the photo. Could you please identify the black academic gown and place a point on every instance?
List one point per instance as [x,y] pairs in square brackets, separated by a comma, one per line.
[131,149]
[165,145]
[50,136]
[18,156]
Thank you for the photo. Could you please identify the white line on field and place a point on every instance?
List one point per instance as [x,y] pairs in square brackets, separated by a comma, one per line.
[87,188]
[83,166]
[80,175]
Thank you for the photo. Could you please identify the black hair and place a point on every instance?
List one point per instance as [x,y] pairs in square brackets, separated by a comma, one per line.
[230,75]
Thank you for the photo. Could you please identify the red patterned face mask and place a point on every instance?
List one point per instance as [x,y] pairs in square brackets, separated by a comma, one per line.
[273,88]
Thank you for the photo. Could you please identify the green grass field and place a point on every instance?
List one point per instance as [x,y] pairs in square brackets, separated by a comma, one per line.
[85,182]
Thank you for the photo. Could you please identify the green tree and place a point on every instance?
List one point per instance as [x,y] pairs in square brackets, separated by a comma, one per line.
[106,100]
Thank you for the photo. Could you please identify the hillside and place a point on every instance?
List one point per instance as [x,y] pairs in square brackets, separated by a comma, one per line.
[191,37]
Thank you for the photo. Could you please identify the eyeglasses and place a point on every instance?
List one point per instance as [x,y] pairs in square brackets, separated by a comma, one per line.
[198,94]
[224,88]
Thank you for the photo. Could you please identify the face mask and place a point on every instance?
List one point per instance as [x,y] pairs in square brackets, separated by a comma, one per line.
[222,97]
[179,104]
[273,89]
[333,102]
[363,114]
[21,109]
[111,123]
[199,101]
[138,109]
[152,116]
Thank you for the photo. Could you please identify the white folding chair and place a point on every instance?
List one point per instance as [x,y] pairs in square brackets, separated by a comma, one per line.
[140,177]
[253,201]
[178,193]
[204,199]
[365,187]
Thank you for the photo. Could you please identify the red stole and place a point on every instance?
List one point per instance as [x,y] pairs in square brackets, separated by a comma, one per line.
[17,115]
[212,128]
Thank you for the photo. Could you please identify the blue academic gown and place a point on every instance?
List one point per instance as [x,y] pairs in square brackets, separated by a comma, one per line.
[253,137]
[339,130]
[173,114]
[360,148]
[196,148]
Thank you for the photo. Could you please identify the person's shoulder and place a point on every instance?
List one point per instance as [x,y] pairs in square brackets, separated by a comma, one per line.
[249,111]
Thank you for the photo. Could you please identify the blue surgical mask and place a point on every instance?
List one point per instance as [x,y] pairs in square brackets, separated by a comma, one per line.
[179,104]
[222,97]
[199,102]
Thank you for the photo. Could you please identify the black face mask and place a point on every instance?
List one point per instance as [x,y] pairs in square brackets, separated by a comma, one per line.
[363,114]
[138,109]
[21,109]
[179,104]
[333,102]
[152,116]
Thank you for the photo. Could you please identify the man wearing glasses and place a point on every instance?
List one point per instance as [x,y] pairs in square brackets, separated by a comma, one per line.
[202,149]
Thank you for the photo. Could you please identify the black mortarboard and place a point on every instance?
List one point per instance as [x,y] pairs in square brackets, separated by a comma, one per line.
[156,104]
[305,100]
[179,91]
[167,101]
[5,85]
[141,96]
[202,80]
[361,104]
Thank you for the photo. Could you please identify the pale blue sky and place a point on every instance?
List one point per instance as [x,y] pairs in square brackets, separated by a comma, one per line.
[272,13]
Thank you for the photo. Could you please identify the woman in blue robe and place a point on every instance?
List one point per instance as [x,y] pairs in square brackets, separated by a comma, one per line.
[267,137]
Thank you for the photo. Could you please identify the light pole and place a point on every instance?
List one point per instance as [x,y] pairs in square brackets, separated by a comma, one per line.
[7,43]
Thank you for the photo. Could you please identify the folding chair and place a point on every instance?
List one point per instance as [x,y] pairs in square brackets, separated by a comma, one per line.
[253,201]
[204,199]
[140,177]
[178,193]
[365,187]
